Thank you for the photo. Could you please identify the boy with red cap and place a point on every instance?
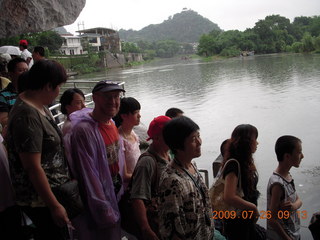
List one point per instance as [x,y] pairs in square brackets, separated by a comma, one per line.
[145,180]
[25,54]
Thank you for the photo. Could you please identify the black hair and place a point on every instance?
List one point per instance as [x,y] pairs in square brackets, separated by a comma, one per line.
[223,147]
[240,147]
[45,72]
[22,81]
[40,50]
[67,97]
[177,130]
[127,105]
[173,112]
[12,64]
[285,144]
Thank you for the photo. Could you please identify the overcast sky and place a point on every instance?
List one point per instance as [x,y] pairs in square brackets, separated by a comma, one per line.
[228,14]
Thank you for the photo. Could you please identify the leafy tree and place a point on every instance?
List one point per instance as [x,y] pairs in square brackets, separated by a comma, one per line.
[144,45]
[229,39]
[316,43]
[273,33]
[161,52]
[149,54]
[215,33]
[167,48]
[250,40]
[207,45]
[230,52]
[307,43]
[12,41]
[315,26]
[50,39]
[300,26]
[297,47]
[232,42]
[129,47]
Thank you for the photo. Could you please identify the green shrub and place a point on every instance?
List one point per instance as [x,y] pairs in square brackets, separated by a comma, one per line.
[84,68]
[230,52]
[297,47]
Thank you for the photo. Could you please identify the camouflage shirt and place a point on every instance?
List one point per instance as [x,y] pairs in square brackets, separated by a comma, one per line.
[31,132]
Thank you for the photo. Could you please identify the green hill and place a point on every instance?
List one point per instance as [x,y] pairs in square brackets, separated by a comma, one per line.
[186,26]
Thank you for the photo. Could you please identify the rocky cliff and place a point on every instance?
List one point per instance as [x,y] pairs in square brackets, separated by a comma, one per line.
[23,16]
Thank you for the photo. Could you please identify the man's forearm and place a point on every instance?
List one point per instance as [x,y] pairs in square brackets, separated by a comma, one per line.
[140,213]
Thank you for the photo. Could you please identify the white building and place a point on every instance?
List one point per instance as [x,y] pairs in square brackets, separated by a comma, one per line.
[71,44]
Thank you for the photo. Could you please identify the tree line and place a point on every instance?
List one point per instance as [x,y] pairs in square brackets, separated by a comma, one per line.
[50,40]
[274,34]
[162,49]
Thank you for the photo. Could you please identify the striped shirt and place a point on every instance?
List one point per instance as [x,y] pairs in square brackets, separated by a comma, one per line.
[290,225]
[7,98]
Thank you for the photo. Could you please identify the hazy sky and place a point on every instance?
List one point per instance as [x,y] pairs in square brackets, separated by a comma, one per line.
[228,14]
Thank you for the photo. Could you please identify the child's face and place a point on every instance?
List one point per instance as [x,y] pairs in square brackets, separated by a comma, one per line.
[76,104]
[133,118]
[297,155]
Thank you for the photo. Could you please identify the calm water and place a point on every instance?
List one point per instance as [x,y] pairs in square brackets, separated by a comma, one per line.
[279,94]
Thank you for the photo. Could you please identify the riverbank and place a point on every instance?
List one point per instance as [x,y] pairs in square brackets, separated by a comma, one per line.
[97,62]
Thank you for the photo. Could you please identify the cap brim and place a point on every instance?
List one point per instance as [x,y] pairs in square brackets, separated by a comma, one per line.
[108,89]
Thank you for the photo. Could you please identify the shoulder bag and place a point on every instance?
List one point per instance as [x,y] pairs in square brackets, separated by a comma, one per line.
[68,195]
[217,191]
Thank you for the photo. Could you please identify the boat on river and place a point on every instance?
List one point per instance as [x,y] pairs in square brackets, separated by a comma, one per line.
[72,74]
[246,53]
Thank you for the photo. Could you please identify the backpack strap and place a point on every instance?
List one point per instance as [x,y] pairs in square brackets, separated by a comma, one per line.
[155,176]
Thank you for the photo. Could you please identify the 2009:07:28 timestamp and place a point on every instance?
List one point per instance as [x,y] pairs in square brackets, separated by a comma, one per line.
[248,214]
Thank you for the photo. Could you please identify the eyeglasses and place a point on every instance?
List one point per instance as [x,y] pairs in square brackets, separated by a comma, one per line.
[112,95]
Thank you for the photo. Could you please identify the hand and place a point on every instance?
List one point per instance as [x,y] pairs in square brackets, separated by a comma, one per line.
[60,216]
[149,234]
[287,206]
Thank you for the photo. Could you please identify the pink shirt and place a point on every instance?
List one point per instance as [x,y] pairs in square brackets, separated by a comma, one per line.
[131,151]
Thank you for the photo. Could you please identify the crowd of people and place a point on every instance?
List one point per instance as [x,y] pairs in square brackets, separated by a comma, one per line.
[161,188]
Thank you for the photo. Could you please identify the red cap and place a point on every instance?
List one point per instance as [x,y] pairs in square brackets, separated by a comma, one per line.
[156,126]
[23,42]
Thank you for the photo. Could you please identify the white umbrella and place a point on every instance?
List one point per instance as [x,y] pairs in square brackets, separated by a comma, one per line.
[12,50]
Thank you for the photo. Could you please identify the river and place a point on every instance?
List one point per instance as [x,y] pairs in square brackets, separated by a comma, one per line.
[279,94]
